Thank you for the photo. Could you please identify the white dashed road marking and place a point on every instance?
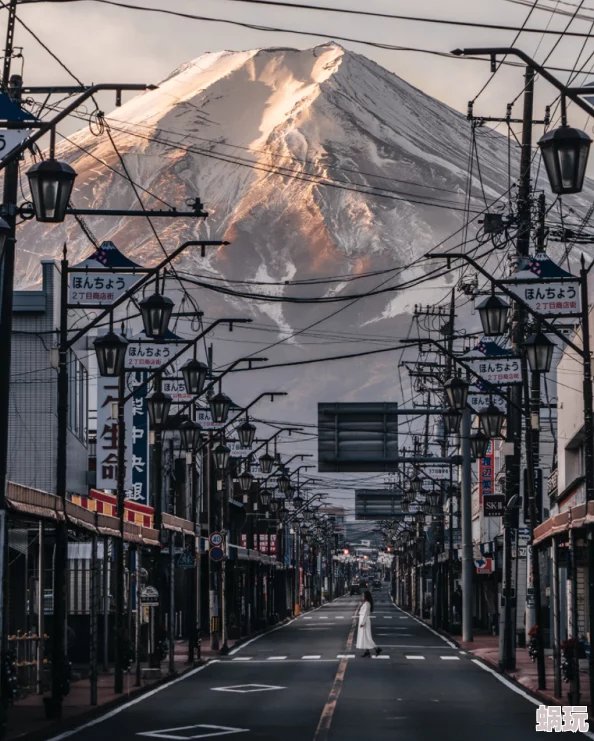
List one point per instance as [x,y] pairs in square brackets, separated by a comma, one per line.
[311,657]
[276,658]
[242,658]
[415,658]
[450,658]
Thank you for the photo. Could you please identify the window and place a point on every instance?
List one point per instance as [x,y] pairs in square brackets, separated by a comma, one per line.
[78,382]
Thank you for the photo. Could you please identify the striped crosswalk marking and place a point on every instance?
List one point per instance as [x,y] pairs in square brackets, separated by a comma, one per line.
[417,658]
[311,657]
[242,658]
[450,658]
[345,656]
[276,658]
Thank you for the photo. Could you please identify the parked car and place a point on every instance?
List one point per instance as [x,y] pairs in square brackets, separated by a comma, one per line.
[355,588]
[376,585]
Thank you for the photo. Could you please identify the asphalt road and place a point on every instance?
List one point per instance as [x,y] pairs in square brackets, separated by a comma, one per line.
[305,682]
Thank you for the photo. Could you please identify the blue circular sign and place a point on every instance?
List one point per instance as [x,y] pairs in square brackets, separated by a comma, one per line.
[217,554]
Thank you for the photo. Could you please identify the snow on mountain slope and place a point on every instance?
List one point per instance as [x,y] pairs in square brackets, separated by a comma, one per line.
[247,131]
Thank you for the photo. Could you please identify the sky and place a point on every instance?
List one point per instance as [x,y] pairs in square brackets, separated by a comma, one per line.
[101,43]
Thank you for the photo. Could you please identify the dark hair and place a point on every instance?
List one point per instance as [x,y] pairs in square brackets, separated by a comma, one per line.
[368,598]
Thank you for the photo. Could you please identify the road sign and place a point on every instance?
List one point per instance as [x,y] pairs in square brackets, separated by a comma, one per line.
[11,138]
[523,535]
[187,560]
[149,597]
[216,554]
[216,539]
[484,565]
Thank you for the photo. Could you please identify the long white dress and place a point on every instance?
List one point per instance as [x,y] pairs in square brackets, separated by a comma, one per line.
[364,639]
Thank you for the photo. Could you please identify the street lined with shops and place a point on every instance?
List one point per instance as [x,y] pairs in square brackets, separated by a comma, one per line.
[283,685]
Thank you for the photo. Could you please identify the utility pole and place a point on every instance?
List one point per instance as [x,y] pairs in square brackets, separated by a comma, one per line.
[467,559]
[12,87]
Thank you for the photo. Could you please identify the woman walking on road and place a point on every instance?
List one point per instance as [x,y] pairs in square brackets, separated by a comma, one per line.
[364,639]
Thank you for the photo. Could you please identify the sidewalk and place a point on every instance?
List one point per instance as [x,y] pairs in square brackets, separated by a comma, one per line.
[27,716]
[486,648]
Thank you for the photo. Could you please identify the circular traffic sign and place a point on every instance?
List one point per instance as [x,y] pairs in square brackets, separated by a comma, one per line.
[217,554]
[216,539]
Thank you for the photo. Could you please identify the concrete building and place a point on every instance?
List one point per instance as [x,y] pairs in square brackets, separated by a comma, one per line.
[33,398]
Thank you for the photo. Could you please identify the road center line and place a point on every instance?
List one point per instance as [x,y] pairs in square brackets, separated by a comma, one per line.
[323,728]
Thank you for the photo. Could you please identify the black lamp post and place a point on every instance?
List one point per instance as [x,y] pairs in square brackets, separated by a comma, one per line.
[266,463]
[493,314]
[158,405]
[565,153]
[283,483]
[4,234]
[111,353]
[190,435]
[434,498]
[194,374]
[221,456]
[219,407]
[415,484]
[246,433]
[156,312]
[245,481]
[479,444]
[491,421]
[265,497]
[51,184]
[291,490]
[457,391]
[451,422]
[539,352]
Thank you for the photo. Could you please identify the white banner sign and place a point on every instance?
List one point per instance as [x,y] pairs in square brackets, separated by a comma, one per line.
[99,288]
[436,472]
[497,371]
[549,299]
[107,434]
[176,389]
[479,401]
[236,450]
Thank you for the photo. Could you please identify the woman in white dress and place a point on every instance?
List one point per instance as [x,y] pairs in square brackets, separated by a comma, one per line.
[364,639]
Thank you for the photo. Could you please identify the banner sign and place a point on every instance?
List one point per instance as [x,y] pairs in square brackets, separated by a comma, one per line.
[101,284]
[479,400]
[238,452]
[486,473]
[493,505]
[141,353]
[545,287]
[494,364]
[204,418]
[261,542]
[138,466]
[436,472]
[107,432]
[176,389]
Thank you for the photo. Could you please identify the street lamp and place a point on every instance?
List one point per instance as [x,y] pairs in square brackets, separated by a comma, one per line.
[415,484]
[245,481]
[405,504]
[111,353]
[434,497]
[194,374]
[283,483]
[451,422]
[156,312]
[51,184]
[457,391]
[493,314]
[266,463]
[479,444]
[158,405]
[219,407]
[491,421]
[565,153]
[190,435]
[221,456]
[265,497]
[539,351]
[274,506]
[246,433]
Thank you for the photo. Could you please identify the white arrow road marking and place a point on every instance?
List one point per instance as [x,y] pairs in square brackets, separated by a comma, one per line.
[244,689]
[169,732]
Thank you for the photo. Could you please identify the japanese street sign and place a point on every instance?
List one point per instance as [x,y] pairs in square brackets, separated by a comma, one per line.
[176,389]
[495,365]
[486,473]
[101,284]
[261,543]
[545,287]
[154,354]
[436,472]
[204,418]
[216,554]
[484,565]
[479,400]
[493,505]
[107,434]
[187,560]
[237,451]
[139,432]
[216,539]
[523,535]
[11,138]
[149,597]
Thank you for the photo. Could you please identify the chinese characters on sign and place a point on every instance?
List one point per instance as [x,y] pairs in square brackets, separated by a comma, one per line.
[101,284]
[147,355]
[553,718]
[486,475]
[176,389]
[479,401]
[107,433]
[261,543]
[139,465]
[436,472]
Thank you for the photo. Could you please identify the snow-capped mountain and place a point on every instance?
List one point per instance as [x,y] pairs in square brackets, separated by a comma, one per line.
[312,163]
